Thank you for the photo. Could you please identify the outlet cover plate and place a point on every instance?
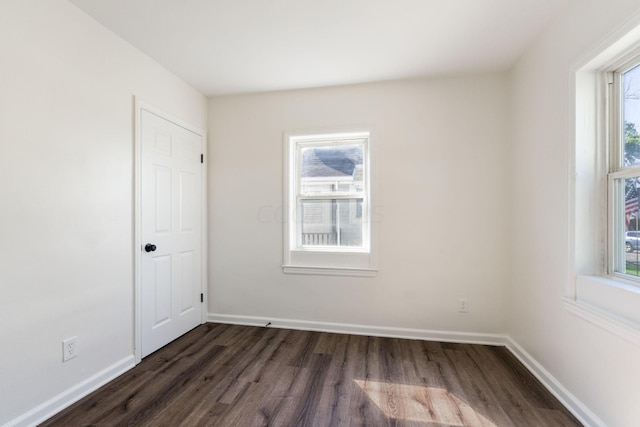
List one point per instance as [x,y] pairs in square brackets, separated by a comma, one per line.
[69,348]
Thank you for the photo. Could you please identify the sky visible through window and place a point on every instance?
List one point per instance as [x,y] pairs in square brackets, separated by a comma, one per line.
[632,97]
[631,116]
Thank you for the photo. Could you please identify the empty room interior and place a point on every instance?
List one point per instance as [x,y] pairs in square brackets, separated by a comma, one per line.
[355,174]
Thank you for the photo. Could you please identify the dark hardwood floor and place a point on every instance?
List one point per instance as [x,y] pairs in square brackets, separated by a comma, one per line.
[225,375]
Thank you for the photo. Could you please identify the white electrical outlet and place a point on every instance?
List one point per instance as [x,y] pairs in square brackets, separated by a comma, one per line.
[463,305]
[69,348]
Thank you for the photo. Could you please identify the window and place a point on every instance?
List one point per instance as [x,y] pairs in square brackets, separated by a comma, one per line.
[606,286]
[328,189]
[624,170]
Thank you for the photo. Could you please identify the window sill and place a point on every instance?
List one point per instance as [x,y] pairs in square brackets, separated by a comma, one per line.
[609,304]
[604,320]
[330,271]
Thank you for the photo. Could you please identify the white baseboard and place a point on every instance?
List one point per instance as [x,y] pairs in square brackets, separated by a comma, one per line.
[56,404]
[575,406]
[348,328]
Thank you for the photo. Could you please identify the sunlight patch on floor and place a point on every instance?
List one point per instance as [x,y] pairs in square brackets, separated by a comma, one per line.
[422,404]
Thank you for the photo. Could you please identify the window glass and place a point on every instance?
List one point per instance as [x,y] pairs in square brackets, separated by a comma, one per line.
[632,226]
[330,192]
[625,173]
[333,222]
[631,116]
[331,169]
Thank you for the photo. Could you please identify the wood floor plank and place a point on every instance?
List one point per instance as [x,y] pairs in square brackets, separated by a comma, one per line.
[334,401]
[218,384]
[539,396]
[230,375]
[280,397]
[479,394]
[250,363]
[497,380]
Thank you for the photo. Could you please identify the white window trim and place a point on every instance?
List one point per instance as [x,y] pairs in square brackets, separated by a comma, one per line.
[328,261]
[606,300]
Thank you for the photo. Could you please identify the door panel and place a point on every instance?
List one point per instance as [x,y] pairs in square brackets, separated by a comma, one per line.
[187,281]
[162,206]
[188,214]
[161,286]
[170,284]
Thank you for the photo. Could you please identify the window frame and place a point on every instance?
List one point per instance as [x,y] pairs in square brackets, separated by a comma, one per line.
[326,260]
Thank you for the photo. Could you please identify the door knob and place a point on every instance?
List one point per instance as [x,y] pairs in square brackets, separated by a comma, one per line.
[149,247]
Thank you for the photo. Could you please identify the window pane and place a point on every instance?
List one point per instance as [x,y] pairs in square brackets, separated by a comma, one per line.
[331,169]
[631,116]
[631,227]
[331,223]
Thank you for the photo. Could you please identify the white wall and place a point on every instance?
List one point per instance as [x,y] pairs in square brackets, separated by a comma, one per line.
[599,368]
[441,204]
[66,179]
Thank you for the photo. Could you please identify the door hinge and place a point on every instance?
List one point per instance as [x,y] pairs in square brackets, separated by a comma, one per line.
[201,158]
[201,297]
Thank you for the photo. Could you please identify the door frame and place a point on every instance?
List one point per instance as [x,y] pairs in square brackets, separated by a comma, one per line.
[139,106]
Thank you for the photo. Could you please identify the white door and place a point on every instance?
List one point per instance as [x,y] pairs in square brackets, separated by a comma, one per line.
[170,223]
